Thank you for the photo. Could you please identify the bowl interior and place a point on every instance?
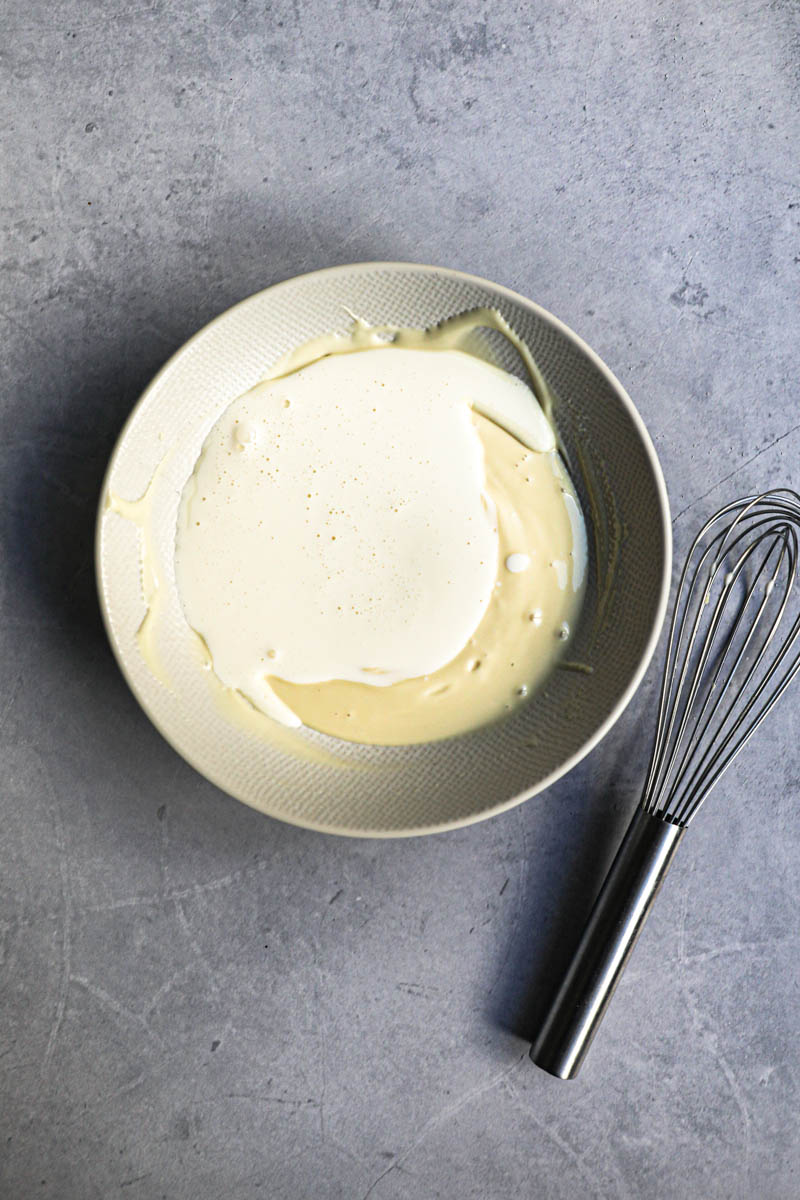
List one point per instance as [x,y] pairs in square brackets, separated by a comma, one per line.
[306,778]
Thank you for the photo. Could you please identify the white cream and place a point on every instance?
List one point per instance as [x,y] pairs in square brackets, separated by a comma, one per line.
[579,554]
[377,540]
[337,525]
[525,493]
[517,562]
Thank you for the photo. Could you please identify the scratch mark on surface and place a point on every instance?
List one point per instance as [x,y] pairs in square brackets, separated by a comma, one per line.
[183,920]
[578,161]
[166,988]
[222,123]
[288,1102]
[81,1115]
[520,901]
[775,442]
[380,72]
[323,1043]
[237,13]
[709,1041]
[704,956]
[622,1191]
[27,332]
[682,918]
[450,1110]
[370,221]
[741,1103]
[103,19]
[65,964]
[375,1182]
[9,704]
[113,1005]
[558,1141]
[168,895]
[130,1086]
[425,991]
[599,30]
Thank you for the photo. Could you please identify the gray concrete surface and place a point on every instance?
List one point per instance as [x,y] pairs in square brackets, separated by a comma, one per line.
[198,1002]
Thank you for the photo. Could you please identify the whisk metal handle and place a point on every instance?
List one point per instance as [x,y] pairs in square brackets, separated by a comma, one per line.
[614,925]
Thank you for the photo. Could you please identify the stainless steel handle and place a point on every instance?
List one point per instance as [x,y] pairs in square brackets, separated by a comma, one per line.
[614,924]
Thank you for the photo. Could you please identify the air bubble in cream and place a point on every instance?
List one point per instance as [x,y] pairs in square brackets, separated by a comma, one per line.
[517,562]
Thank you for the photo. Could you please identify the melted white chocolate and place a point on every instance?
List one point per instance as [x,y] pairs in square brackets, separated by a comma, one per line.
[337,526]
[518,642]
[362,548]
[516,591]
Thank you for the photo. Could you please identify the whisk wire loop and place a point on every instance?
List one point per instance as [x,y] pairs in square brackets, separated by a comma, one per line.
[704,772]
[725,652]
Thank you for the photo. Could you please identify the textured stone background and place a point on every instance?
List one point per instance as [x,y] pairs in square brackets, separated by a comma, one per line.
[198,1002]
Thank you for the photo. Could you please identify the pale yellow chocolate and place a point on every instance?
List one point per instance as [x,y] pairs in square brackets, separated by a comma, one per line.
[516,645]
[525,629]
[454,333]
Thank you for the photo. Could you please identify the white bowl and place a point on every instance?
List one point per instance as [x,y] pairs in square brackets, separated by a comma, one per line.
[318,782]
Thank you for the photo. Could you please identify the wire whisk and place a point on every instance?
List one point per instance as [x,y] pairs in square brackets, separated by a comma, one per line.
[732,651]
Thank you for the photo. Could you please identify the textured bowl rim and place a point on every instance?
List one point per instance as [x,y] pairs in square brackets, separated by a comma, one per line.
[666,566]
